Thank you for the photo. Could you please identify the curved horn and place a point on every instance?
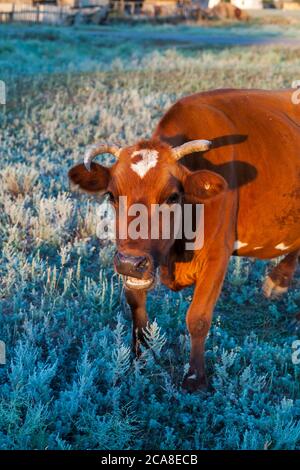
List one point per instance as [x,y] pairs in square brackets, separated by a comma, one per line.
[190,147]
[98,149]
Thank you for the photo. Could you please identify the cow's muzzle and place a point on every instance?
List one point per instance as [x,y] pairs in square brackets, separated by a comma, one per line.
[137,271]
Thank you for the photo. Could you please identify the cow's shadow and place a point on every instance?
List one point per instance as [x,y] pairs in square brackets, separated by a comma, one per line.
[237,173]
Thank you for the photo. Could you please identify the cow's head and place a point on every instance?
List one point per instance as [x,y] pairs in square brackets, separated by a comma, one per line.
[148,173]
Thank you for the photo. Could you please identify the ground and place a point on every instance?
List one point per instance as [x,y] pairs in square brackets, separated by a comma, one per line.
[69,381]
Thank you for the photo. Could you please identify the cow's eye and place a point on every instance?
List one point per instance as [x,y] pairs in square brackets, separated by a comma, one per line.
[173,198]
[110,197]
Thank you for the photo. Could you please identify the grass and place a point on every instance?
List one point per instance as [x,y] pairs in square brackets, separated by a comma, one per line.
[69,381]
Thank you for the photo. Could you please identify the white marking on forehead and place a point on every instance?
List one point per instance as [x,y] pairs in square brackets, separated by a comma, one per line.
[238,244]
[148,161]
[257,247]
[281,246]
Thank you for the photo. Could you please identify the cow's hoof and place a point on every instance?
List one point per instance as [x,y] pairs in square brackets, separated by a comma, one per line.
[193,383]
[136,349]
[272,289]
[138,344]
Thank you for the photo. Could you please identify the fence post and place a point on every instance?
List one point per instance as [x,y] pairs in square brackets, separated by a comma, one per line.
[12,13]
[38,13]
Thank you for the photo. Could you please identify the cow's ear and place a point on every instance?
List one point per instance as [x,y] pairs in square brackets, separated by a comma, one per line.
[94,181]
[204,184]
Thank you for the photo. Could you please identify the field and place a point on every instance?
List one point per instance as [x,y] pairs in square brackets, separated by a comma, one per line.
[69,381]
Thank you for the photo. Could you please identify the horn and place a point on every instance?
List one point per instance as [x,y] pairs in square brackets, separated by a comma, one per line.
[98,149]
[190,147]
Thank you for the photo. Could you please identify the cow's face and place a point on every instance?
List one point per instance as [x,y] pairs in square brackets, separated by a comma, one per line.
[146,178]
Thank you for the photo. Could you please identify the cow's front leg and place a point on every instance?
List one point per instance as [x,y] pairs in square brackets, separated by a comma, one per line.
[199,317]
[137,302]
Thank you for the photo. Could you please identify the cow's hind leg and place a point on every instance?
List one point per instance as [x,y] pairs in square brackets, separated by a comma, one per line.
[278,280]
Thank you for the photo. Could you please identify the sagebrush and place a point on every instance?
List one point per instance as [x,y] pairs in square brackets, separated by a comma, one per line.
[70,381]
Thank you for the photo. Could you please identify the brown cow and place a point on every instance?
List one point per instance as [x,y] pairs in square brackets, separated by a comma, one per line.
[247,176]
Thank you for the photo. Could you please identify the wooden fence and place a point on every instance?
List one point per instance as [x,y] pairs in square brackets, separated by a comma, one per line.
[51,14]
[130,7]
[148,8]
[97,13]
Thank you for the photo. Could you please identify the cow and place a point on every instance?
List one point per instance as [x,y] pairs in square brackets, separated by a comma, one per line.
[237,152]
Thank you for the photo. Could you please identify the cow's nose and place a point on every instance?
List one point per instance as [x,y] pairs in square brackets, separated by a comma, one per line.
[131,265]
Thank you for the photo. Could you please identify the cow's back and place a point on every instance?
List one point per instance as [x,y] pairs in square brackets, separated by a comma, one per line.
[256,147]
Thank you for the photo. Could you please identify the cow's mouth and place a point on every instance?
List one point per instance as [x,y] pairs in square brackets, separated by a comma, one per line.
[135,283]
